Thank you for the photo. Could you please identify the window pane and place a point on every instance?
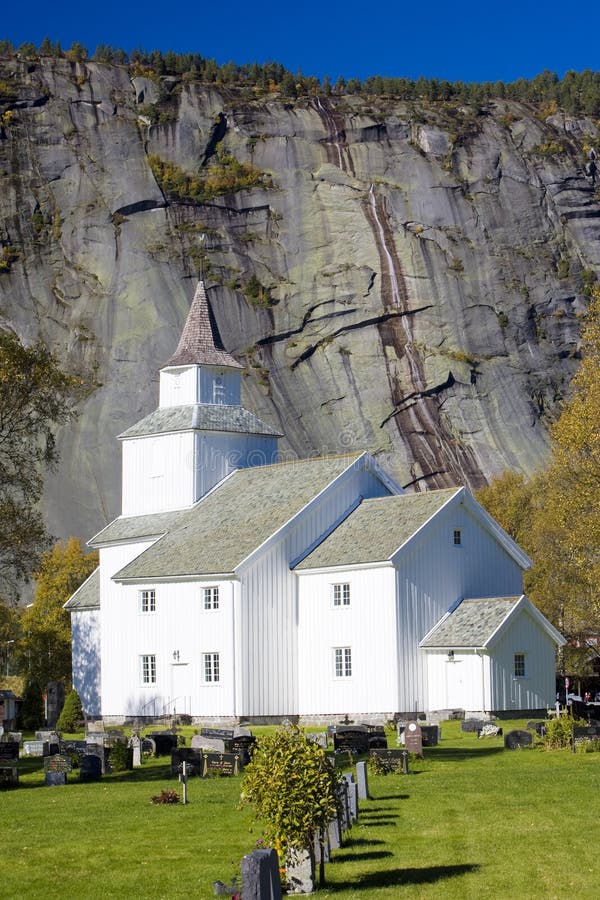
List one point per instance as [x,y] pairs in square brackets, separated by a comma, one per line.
[211,598]
[341,594]
[343,662]
[148,601]
[519,665]
[149,669]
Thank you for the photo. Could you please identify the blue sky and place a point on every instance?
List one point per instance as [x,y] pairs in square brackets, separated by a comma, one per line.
[468,41]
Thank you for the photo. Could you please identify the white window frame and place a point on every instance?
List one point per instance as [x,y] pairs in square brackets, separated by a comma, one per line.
[340,594]
[210,598]
[457,537]
[519,663]
[147,600]
[211,667]
[342,662]
[218,390]
[148,669]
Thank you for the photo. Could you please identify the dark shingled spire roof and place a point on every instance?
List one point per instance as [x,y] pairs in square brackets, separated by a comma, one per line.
[200,343]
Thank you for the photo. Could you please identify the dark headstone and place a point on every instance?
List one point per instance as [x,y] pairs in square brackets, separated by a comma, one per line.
[538,727]
[55,700]
[260,876]
[164,742]
[430,735]
[392,758]
[351,739]
[193,758]
[148,746]
[352,793]
[90,768]
[58,763]
[9,751]
[377,737]
[243,746]
[321,840]
[518,740]
[472,725]
[413,738]
[579,732]
[53,779]
[220,764]
[9,776]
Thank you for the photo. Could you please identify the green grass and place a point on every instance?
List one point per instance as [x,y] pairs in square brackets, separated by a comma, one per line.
[471,820]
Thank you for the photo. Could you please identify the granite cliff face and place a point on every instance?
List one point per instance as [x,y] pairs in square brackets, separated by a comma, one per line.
[421,269]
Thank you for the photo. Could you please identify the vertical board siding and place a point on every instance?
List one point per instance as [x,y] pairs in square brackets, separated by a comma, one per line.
[216,454]
[85,635]
[158,473]
[178,387]
[177,633]
[460,684]
[431,577]
[367,626]
[269,602]
[537,689]
[231,385]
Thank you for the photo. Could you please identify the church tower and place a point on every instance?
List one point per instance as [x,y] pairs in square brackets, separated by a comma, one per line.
[200,432]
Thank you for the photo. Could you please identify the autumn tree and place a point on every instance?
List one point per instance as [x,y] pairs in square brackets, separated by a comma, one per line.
[294,789]
[45,648]
[35,397]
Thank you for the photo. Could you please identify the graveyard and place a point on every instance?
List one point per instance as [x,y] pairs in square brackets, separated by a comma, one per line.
[470,818]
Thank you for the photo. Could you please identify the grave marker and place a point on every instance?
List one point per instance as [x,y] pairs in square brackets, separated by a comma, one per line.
[55,779]
[9,776]
[225,764]
[518,740]
[351,738]
[58,763]
[362,781]
[9,751]
[223,734]
[413,738]
[260,876]
[90,768]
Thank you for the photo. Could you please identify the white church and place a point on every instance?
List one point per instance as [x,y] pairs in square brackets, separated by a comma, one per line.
[233,587]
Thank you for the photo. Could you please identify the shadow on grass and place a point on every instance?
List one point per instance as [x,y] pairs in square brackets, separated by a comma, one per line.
[389,797]
[401,877]
[359,842]
[366,855]
[444,754]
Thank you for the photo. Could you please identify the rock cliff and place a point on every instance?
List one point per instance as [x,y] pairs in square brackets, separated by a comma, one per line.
[407,278]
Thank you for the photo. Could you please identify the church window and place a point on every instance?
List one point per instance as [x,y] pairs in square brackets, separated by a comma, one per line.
[210,667]
[148,601]
[342,657]
[218,391]
[211,598]
[148,661]
[519,665]
[341,594]
[457,538]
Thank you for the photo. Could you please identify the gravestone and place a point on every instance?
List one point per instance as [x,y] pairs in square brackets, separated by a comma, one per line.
[362,781]
[431,735]
[413,739]
[136,745]
[243,746]
[335,833]
[148,746]
[580,732]
[345,820]
[222,734]
[55,700]
[217,745]
[352,790]
[393,760]
[90,768]
[319,737]
[98,751]
[351,739]
[9,776]
[260,876]
[469,725]
[300,872]
[225,764]
[9,751]
[164,742]
[58,763]
[518,740]
[55,779]
[377,737]
[193,759]
[14,736]
[95,727]
[36,748]
[317,843]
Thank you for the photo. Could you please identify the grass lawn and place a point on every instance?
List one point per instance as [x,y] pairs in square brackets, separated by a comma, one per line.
[471,820]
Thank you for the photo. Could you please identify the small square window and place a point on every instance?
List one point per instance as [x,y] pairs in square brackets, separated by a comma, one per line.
[342,657]
[211,598]
[210,667]
[457,537]
[148,667]
[519,665]
[148,601]
[341,594]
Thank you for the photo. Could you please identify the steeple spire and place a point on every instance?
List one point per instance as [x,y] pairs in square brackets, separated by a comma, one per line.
[200,343]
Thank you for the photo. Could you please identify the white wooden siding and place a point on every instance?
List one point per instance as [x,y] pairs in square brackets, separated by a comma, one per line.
[431,577]
[85,635]
[269,602]
[537,690]
[216,454]
[230,380]
[367,625]
[459,684]
[158,473]
[178,386]
[178,633]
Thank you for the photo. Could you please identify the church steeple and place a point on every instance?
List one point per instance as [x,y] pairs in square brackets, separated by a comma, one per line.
[200,342]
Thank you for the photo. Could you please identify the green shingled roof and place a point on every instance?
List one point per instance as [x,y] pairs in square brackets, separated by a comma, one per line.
[200,416]
[136,528]
[87,596]
[472,623]
[376,529]
[233,520]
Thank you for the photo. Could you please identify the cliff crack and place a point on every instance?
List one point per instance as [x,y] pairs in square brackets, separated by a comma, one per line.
[415,396]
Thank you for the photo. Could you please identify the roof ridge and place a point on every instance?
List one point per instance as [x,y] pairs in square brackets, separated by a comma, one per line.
[306,459]
[415,496]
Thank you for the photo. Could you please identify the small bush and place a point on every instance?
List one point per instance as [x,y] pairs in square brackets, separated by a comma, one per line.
[559,732]
[121,757]
[71,715]
[225,175]
[165,797]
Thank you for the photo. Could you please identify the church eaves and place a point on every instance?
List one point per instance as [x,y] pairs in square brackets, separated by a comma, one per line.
[200,342]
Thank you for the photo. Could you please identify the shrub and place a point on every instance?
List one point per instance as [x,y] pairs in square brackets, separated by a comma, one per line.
[166,796]
[72,713]
[225,175]
[559,732]
[121,757]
